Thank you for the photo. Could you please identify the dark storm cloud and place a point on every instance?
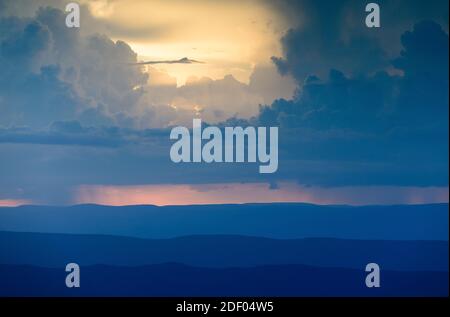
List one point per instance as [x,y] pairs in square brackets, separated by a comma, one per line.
[393,128]
[333,34]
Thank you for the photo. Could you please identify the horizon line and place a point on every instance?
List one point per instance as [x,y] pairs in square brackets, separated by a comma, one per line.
[228,204]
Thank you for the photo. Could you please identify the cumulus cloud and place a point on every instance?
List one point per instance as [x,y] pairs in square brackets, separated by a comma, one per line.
[70,74]
[332,34]
[215,100]
[395,127]
[51,72]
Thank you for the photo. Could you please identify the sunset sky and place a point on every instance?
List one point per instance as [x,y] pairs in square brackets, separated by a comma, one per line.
[362,113]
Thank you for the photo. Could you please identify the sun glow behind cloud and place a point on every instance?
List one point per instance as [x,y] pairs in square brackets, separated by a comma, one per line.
[230,37]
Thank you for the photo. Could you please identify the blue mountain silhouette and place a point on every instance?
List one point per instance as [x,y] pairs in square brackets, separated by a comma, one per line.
[405,222]
[180,280]
[224,250]
[56,250]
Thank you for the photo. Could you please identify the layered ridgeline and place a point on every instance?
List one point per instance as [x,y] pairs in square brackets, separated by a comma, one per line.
[282,221]
[181,280]
[56,250]
[228,250]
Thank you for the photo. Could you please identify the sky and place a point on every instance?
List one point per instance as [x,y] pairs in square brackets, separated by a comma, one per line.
[362,113]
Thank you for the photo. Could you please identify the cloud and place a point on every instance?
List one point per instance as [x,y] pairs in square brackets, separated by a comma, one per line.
[62,133]
[72,133]
[65,74]
[332,34]
[73,112]
[72,75]
[183,60]
[214,100]
[392,128]
[425,51]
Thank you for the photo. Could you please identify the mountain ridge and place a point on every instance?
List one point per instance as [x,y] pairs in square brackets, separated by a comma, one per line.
[56,250]
[288,221]
[180,280]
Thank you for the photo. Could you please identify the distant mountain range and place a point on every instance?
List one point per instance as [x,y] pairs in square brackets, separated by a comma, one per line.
[286,221]
[180,280]
[224,250]
[56,250]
